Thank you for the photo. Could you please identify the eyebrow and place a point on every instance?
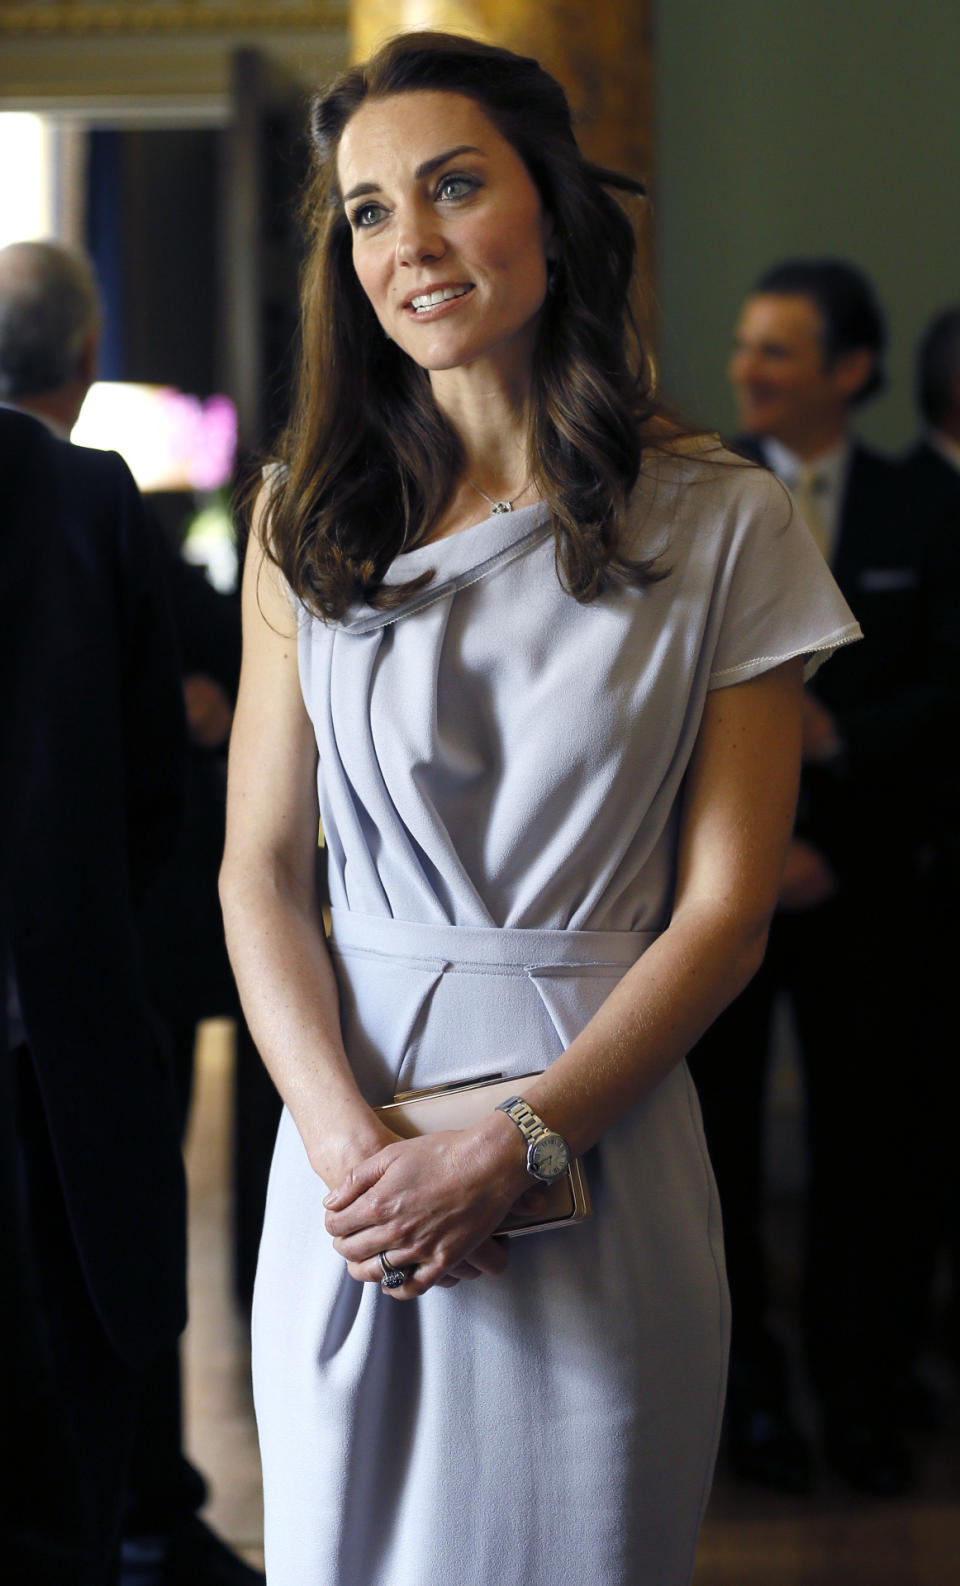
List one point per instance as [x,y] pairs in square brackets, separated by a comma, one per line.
[426,169]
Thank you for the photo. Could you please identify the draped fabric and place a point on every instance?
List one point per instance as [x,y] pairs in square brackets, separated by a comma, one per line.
[499,776]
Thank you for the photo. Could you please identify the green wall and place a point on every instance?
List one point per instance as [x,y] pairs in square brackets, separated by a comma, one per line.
[804,127]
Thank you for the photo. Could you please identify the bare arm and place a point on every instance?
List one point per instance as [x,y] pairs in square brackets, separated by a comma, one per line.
[268,885]
[738,810]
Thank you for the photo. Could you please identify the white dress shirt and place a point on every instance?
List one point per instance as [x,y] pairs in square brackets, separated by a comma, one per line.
[827,475]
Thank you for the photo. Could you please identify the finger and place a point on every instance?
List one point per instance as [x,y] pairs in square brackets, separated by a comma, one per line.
[423,1277]
[362,1272]
[372,1271]
[487,1260]
[375,1206]
[368,1243]
[467,1271]
[358,1180]
[371,1208]
[491,1256]
[415,1287]
[356,1218]
[428,1275]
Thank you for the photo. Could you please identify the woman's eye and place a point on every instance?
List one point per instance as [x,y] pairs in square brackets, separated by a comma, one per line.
[367,215]
[455,187]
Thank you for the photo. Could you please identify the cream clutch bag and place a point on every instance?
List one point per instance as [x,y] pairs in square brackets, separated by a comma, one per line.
[466,1102]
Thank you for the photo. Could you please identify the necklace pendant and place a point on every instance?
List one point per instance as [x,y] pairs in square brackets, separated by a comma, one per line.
[496,507]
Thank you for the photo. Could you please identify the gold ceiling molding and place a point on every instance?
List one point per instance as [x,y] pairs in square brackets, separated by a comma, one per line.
[59,17]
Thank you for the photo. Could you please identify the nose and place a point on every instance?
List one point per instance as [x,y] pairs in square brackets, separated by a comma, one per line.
[418,237]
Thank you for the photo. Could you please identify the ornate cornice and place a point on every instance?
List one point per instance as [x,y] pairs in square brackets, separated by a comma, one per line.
[52,18]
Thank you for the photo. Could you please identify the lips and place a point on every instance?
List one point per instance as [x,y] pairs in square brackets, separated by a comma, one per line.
[421,302]
[756,396]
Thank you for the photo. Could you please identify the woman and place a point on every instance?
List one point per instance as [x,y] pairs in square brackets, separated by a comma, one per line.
[558,749]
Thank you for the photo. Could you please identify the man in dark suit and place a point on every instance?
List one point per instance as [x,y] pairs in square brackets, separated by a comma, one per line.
[38,1539]
[49,331]
[808,350]
[933,467]
[100,738]
[931,474]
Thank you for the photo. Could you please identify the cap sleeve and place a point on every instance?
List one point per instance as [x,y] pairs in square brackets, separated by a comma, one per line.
[778,598]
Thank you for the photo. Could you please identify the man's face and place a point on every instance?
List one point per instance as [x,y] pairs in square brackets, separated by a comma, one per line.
[782,384]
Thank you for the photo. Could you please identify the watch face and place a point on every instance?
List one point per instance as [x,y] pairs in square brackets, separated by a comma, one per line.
[549,1157]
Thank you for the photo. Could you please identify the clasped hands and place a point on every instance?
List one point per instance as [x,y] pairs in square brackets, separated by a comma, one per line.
[432,1204]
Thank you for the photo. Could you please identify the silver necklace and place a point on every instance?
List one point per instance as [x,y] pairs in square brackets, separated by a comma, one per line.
[498,506]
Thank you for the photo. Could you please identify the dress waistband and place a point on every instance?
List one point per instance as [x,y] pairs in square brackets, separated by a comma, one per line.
[460,947]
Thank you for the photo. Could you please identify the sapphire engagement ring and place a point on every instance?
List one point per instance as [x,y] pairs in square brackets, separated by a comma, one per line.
[393,1277]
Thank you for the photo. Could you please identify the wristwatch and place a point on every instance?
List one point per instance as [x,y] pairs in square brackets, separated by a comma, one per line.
[548,1155]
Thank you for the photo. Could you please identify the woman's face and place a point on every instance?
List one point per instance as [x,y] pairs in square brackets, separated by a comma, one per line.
[450,241]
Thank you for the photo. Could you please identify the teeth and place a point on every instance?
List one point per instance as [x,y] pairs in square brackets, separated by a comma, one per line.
[430,299]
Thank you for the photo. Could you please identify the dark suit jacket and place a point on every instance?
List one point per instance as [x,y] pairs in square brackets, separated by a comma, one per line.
[933,499]
[101,755]
[189,972]
[933,486]
[893,695]
[19,581]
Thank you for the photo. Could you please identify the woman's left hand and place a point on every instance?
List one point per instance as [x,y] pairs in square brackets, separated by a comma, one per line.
[430,1204]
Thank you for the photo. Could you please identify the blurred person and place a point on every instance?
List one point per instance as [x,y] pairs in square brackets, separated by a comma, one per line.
[933,466]
[932,478]
[534,656]
[808,351]
[50,322]
[40,1539]
[99,1176]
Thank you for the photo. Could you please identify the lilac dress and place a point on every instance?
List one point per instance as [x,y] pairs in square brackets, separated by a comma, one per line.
[499,780]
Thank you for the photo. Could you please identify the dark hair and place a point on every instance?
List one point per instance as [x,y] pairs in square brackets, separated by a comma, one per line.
[852,318]
[938,368]
[370,461]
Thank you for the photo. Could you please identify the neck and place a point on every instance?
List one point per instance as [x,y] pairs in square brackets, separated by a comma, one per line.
[61,408]
[815,441]
[493,433]
[489,407]
[499,472]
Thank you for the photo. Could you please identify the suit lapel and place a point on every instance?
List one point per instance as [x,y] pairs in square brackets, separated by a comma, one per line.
[852,548]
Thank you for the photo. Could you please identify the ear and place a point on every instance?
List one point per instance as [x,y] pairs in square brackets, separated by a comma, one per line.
[87,362]
[851,371]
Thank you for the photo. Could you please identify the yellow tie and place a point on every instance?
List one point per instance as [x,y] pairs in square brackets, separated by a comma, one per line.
[807,493]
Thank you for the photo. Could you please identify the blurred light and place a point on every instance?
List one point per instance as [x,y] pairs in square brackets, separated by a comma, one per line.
[210,544]
[26,210]
[169,440]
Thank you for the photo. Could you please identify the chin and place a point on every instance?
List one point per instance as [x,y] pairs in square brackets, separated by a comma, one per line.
[758,422]
[444,361]
[437,357]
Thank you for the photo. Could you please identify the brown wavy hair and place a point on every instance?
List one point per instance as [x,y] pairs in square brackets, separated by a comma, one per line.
[369,461]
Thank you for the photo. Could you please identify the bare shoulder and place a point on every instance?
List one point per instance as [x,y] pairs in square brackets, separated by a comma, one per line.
[267,599]
[271,787]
